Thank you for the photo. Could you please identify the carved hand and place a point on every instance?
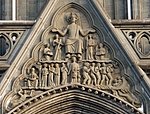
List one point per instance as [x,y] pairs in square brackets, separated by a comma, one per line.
[54,30]
[92,30]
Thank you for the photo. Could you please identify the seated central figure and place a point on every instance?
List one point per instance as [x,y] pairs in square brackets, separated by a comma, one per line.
[73,44]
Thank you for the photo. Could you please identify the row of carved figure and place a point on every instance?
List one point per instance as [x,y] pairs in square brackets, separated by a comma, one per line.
[92,50]
[73,43]
[74,40]
[92,74]
[96,74]
[118,88]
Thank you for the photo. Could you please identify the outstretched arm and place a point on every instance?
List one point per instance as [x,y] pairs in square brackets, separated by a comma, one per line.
[62,33]
[86,32]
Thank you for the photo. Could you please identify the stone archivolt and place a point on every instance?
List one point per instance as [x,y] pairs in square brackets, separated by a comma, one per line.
[87,96]
[72,56]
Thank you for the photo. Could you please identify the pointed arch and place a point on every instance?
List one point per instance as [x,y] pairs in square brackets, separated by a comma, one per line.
[75,98]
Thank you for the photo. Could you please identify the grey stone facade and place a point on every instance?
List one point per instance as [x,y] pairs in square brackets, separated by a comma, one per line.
[78,56]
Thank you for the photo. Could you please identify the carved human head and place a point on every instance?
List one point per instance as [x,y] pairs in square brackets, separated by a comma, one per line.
[45,65]
[63,64]
[73,17]
[73,58]
[86,64]
[46,45]
[103,64]
[93,64]
[100,45]
[90,36]
[52,64]
[32,69]
[98,64]
[56,65]
[56,36]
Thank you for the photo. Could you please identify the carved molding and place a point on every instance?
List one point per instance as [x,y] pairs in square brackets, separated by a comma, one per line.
[71,53]
[82,92]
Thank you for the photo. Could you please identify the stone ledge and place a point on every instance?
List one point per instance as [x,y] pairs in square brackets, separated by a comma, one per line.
[131,23]
[19,24]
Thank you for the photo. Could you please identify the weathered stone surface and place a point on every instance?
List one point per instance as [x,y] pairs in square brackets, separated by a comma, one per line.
[74,61]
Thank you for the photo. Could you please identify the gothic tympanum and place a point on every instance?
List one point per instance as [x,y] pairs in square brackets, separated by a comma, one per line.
[73,56]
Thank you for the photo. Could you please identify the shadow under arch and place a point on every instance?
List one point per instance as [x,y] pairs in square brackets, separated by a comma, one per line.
[74,98]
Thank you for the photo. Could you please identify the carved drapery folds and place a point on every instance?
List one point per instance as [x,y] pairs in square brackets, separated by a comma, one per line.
[71,53]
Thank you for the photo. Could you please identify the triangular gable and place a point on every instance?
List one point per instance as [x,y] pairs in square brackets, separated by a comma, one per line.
[71,44]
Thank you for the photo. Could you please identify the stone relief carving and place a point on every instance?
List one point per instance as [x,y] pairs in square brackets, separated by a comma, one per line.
[73,44]
[121,89]
[57,43]
[47,53]
[105,80]
[21,96]
[32,79]
[57,75]
[64,71]
[79,59]
[90,47]
[44,75]
[100,51]
[92,74]
[86,76]
[74,71]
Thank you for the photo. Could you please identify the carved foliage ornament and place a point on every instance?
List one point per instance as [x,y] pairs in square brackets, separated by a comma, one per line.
[70,53]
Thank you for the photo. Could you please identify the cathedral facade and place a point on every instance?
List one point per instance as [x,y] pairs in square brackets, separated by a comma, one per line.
[74,57]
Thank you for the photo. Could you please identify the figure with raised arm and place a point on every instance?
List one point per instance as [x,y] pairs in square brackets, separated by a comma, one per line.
[73,44]
[57,43]
[90,47]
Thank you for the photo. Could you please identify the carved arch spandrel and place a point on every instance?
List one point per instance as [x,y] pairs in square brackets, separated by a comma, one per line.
[95,66]
[71,95]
